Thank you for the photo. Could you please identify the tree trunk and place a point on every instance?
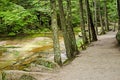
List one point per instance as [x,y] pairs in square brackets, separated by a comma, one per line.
[118,9]
[101,22]
[94,36]
[57,55]
[84,36]
[96,20]
[70,29]
[89,28]
[106,16]
[69,51]
[118,33]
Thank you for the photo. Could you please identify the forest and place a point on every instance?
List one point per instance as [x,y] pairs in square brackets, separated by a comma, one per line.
[44,35]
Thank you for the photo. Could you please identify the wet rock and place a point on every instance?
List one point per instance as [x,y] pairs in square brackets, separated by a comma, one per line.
[46,63]
[27,77]
[2,43]
[39,68]
[2,50]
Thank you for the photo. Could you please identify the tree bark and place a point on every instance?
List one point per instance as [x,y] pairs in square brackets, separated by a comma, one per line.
[69,51]
[70,29]
[84,36]
[94,36]
[96,15]
[101,22]
[118,9]
[106,16]
[56,45]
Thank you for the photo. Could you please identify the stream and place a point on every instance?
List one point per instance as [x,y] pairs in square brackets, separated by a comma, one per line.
[12,50]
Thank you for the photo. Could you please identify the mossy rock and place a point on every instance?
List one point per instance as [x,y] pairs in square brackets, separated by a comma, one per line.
[118,36]
[2,50]
[27,77]
[46,63]
[3,75]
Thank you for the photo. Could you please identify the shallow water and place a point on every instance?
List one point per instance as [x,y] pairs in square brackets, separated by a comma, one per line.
[16,49]
[20,48]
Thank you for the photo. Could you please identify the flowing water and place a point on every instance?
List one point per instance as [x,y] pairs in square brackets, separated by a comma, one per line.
[12,50]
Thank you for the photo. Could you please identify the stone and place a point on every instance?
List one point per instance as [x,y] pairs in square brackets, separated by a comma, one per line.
[118,36]
[27,77]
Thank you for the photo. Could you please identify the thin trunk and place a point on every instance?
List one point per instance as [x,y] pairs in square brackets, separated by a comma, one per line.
[92,2]
[69,51]
[94,36]
[114,26]
[101,22]
[85,41]
[89,29]
[96,21]
[70,29]
[57,55]
[118,9]
[106,16]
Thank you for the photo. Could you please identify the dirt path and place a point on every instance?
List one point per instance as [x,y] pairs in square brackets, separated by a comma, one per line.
[101,61]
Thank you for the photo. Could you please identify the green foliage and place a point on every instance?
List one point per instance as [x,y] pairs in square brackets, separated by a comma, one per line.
[3,75]
[79,42]
[77,29]
[32,16]
[11,34]
[112,10]
[15,19]
[75,13]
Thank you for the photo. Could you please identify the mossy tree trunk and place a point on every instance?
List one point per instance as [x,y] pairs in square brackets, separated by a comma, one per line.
[96,15]
[57,55]
[69,51]
[118,9]
[94,36]
[118,33]
[88,26]
[106,16]
[70,31]
[101,21]
[85,40]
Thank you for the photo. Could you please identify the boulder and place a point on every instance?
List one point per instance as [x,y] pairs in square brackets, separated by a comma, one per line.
[118,36]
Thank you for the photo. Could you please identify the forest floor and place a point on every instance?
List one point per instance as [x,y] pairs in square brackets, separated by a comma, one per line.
[101,61]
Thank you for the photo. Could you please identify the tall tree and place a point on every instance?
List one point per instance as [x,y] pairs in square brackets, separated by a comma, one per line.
[118,9]
[85,41]
[88,26]
[118,33]
[57,55]
[100,16]
[70,29]
[106,16]
[69,51]
[94,36]
[96,15]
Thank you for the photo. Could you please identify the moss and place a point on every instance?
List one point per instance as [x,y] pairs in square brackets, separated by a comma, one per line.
[3,75]
[46,63]
[27,77]
[2,50]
